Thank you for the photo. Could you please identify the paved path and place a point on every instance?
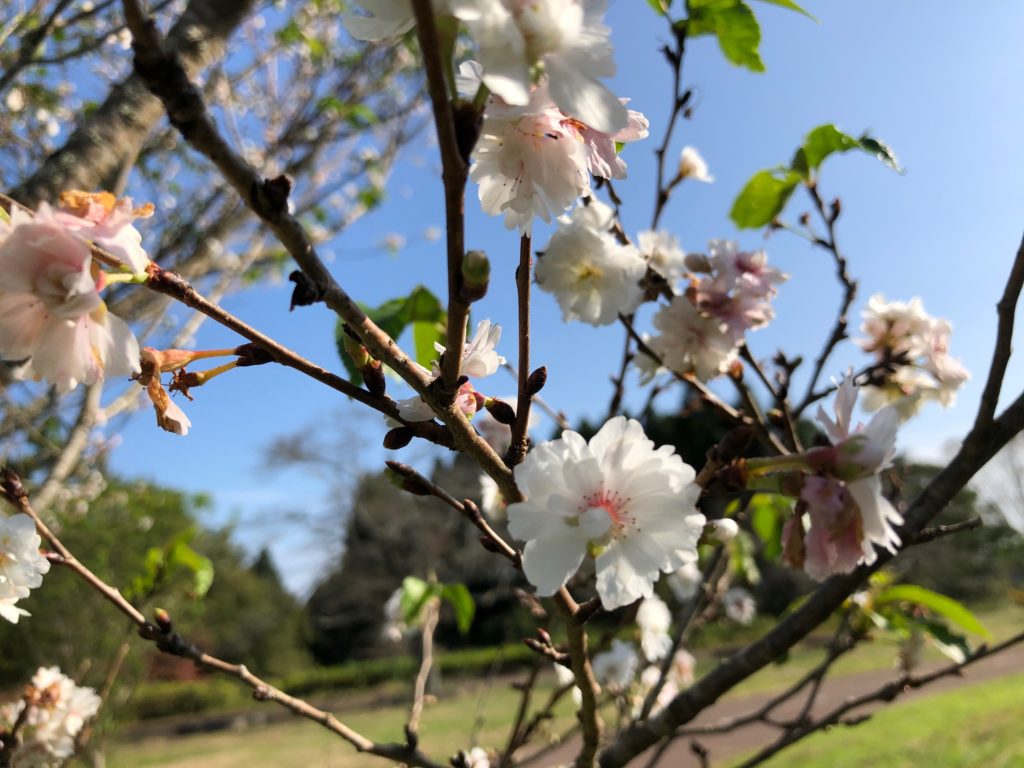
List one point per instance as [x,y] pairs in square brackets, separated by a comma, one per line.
[723,747]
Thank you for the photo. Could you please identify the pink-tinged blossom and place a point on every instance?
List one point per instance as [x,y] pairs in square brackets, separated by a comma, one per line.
[692,342]
[847,512]
[738,288]
[528,162]
[50,309]
[479,358]
[22,567]
[415,408]
[106,221]
[58,709]
[535,160]
[592,275]
[616,498]
[915,346]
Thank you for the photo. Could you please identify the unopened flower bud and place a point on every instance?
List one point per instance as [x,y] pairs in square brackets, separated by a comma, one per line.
[536,381]
[373,377]
[399,437]
[163,620]
[476,273]
[502,412]
[697,262]
[355,350]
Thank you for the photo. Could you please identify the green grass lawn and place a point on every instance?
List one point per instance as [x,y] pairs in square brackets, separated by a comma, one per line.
[977,726]
[982,723]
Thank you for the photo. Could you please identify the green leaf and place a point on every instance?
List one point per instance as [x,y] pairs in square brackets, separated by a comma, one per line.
[950,644]
[741,558]
[459,598]
[790,5]
[735,25]
[183,556]
[826,140]
[819,144]
[161,563]
[415,594]
[882,151]
[940,605]
[763,198]
[421,309]
[660,6]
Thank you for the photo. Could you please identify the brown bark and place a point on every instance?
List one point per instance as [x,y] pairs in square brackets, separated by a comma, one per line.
[109,139]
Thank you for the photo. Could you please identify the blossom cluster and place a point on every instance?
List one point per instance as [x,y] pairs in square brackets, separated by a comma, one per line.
[57,711]
[913,349]
[22,567]
[549,122]
[701,329]
[51,315]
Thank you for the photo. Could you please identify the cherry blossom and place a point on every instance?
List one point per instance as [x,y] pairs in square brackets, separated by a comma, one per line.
[663,254]
[50,310]
[692,342]
[479,358]
[685,581]
[58,709]
[616,498]
[22,567]
[692,166]
[739,605]
[653,619]
[565,37]
[592,275]
[915,346]
[615,668]
[848,514]
[106,221]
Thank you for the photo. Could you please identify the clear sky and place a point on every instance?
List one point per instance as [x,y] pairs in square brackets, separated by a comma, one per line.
[941,82]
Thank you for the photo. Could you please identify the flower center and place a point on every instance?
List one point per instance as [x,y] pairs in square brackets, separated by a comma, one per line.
[611,504]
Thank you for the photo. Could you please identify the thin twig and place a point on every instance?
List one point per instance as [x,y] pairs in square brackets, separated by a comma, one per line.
[1006,310]
[885,693]
[174,644]
[268,198]
[517,448]
[432,612]
[849,286]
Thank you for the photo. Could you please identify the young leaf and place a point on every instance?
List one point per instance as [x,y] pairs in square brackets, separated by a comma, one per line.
[826,140]
[789,4]
[763,198]
[415,594]
[938,604]
[461,601]
[660,6]
[735,25]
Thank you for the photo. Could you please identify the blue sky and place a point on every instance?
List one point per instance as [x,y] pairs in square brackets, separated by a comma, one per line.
[940,82]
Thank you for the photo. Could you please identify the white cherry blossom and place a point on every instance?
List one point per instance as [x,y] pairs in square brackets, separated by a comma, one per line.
[615,668]
[692,166]
[22,567]
[685,581]
[592,275]
[479,358]
[653,619]
[617,498]
[739,605]
[663,254]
